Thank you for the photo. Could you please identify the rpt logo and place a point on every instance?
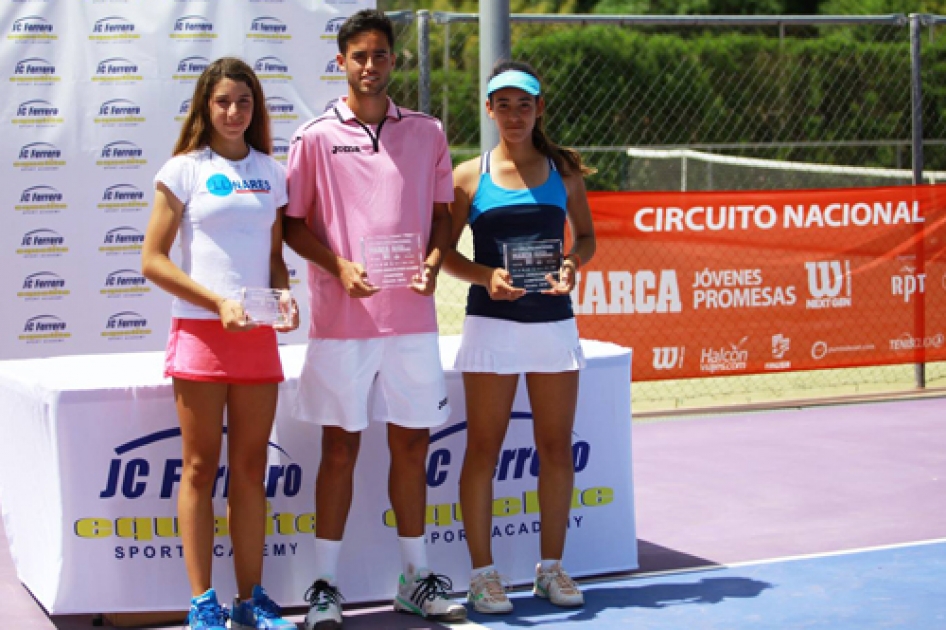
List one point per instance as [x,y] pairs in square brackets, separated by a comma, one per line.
[829,283]
[668,357]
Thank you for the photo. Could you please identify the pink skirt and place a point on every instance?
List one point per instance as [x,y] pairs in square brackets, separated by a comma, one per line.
[202,350]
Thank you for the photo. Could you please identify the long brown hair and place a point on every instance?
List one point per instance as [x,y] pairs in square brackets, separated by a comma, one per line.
[197,128]
[567,160]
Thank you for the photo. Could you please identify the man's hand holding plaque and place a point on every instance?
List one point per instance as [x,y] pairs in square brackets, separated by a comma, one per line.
[393,261]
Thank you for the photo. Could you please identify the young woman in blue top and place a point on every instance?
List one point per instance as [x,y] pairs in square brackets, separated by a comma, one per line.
[525,189]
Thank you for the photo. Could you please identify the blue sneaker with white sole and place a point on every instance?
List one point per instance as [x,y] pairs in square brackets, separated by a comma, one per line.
[206,613]
[258,613]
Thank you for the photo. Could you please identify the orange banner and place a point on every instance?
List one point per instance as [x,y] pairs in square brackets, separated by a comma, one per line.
[728,283]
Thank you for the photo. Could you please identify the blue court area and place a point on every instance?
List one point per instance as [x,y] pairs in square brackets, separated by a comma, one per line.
[898,587]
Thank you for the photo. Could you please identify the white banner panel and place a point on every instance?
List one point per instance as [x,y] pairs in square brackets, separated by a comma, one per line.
[94,95]
[90,468]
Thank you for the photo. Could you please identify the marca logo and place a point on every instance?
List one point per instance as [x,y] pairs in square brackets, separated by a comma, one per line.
[113,29]
[332,27]
[443,466]
[44,329]
[124,239]
[271,69]
[32,29]
[44,285]
[193,27]
[668,357]
[116,69]
[39,156]
[621,292]
[42,241]
[35,71]
[281,109]
[40,198]
[36,113]
[908,283]
[268,29]
[190,68]
[907,341]
[124,197]
[125,283]
[829,283]
[723,359]
[121,153]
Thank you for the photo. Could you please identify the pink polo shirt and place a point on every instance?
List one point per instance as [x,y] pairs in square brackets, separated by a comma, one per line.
[349,180]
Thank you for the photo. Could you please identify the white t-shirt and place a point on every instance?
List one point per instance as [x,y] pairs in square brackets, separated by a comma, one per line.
[226,230]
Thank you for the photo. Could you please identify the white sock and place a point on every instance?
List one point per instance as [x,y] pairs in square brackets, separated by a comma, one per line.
[413,555]
[326,559]
[546,565]
[475,573]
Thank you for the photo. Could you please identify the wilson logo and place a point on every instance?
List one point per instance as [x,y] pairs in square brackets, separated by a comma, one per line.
[668,358]
[829,283]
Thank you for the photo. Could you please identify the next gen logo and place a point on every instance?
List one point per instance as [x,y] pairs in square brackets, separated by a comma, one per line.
[135,473]
[39,156]
[517,463]
[829,283]
[668,357]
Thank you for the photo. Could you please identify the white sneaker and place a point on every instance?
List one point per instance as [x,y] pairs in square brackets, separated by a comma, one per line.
[556,586]
[488,594]
[325,609]
[425,594]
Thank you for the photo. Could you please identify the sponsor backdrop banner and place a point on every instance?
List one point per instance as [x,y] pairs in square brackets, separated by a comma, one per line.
[729,283]
[94,95]
[89,484]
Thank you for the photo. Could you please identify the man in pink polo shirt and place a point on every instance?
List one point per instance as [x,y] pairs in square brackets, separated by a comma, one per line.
[369,184]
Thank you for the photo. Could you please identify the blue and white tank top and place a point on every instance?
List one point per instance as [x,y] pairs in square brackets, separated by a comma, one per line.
[501,215]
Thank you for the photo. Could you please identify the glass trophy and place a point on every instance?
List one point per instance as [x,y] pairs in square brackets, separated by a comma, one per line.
[528,262]
[392,261]
[266,307]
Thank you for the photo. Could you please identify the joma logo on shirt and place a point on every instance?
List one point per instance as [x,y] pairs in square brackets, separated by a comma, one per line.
[345,149]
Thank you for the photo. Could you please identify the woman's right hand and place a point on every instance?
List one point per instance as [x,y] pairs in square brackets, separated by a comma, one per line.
[501,288]
[232,316]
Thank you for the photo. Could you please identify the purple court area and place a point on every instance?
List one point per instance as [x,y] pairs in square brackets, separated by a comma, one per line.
[733,488]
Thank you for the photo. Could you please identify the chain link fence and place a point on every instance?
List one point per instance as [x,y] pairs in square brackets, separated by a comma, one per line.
[644,97]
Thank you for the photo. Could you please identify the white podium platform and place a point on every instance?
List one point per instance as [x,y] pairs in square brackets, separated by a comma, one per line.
[90,462]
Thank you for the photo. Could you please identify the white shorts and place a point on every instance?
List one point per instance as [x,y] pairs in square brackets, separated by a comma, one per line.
[499,346]
[399,379]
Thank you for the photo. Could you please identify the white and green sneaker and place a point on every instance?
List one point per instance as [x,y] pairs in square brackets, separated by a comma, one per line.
[556,586]
[425,594]
[488,594]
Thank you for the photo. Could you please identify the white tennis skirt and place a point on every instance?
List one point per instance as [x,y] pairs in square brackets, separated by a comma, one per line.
[499,346]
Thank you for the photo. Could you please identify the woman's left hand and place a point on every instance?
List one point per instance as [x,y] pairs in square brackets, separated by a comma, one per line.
[565,282]
[288,306]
